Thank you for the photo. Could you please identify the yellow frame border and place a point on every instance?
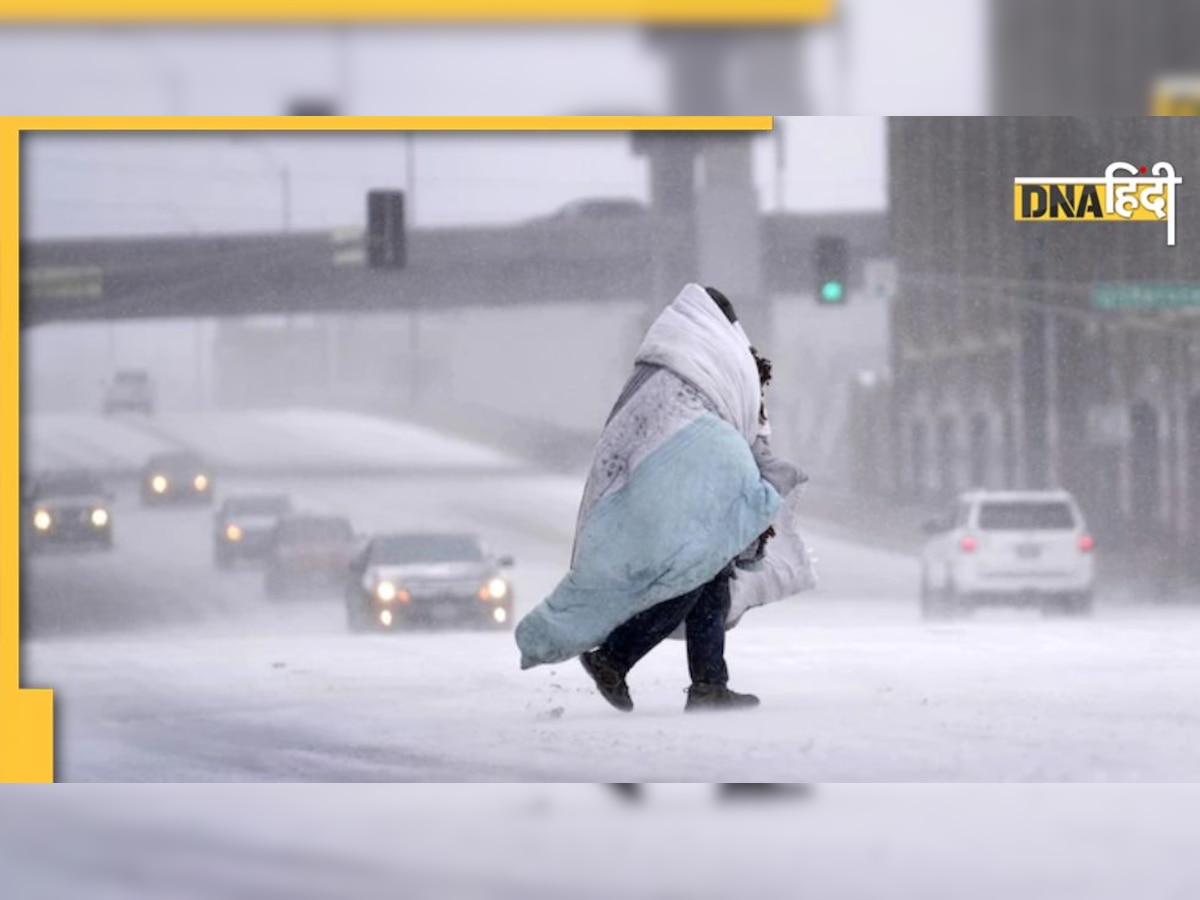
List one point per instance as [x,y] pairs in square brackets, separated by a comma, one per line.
[727,12]
[27,715]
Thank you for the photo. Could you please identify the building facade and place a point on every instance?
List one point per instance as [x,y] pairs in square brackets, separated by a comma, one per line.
[1093,57]
[1007,371]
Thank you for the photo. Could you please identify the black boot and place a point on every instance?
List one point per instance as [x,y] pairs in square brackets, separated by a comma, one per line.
[706,697]
[610,681]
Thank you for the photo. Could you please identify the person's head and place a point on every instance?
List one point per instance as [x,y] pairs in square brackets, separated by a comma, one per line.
[761,362]
[764,366]
[699,338]
[764,378]
[723,303]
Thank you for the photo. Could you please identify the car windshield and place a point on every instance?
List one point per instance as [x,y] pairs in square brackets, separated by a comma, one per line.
[177,463]
[258,506]
[426,548]
[315,531]
[1026,516]
[67,484]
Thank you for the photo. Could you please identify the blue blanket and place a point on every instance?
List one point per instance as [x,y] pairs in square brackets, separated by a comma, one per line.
[688,508]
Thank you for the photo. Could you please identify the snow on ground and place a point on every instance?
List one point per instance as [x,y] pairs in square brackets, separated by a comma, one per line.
[71,440]
[169,670]
[851,694]
[312,440]
[321,440]
[551,841]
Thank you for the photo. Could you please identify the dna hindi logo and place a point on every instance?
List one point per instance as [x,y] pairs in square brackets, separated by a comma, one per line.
[1125,193]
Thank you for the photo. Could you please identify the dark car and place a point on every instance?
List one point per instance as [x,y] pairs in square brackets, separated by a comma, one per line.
[176,477]
[68,509]
[245,525]
[597,209]
[308,552]
[402,579]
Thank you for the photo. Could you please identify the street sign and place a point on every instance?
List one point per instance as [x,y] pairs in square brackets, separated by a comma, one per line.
[1146,296]
[349,246]
[62,283]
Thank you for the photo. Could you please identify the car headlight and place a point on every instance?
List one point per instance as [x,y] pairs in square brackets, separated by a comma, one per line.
[496,589]
[233,533]
[387,592]
[500,615]
[200,482]
[42,520]
[159,484]
[99,517]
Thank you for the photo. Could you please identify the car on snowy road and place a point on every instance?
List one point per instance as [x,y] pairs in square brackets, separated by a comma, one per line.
[131,390]
[176,477]
[244,526]
[1028,548]
[428,579]
[308,552]
[67,509]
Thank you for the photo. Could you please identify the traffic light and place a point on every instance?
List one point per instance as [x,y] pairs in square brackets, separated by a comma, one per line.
[386,247]
[832,265]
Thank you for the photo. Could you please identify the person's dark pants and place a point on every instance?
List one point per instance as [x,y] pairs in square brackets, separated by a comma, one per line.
[703,612]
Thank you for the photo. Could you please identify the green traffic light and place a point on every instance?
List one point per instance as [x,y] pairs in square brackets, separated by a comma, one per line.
[832,292]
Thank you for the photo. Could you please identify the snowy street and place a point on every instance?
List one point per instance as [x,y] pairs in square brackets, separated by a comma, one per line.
[169,670]
[323,436]
[529,842]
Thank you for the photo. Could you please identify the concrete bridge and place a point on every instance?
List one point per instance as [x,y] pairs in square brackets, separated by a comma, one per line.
[547,260]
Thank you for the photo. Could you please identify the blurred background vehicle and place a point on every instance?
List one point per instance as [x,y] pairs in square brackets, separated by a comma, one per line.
[1012,548]
[67,509]
[244,525]
[601,209]
[309,552]
[399,580]
[131,390]
[176,477]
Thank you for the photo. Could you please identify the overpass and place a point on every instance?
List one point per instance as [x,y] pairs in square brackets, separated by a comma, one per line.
[547,260]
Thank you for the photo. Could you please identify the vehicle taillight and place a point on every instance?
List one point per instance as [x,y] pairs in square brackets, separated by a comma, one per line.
[968,544]
[1087,544]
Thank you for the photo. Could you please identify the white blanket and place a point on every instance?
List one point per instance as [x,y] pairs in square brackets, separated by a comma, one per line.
[694,340]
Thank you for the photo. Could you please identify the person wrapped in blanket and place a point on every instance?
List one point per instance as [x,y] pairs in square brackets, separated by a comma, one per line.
[687,518]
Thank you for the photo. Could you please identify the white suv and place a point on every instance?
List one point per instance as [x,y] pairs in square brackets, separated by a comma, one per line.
[1011,547]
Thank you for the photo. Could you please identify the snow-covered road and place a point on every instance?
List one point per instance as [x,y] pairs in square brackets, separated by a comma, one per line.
[167,670]
[551,841]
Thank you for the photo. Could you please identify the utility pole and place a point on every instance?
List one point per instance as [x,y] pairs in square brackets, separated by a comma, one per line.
[414,315]
[199,350]
[780,167]
[345,70]
[282,168]
[414,356]
[410,175]
[285,177]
